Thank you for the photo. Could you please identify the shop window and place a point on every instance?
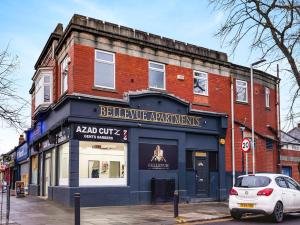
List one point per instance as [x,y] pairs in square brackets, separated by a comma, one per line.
[213,162]
[267,96]
[34,169]
[102,164]
[157,75]
[269,144]
[53,168]
[241,91]
[200,83]
[104,69]
[63,164]
[189,160]
[64,70]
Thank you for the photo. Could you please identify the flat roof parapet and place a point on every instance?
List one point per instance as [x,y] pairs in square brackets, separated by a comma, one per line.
[112,28]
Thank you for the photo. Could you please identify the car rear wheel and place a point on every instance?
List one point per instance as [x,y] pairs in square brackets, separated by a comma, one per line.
[236,215]
[277,215]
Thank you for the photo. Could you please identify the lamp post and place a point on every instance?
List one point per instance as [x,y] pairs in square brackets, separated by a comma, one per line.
[252,112]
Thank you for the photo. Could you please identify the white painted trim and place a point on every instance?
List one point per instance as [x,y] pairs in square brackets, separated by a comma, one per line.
[236,85]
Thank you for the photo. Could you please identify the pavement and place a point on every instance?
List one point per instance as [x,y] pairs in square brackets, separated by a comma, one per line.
[36,211]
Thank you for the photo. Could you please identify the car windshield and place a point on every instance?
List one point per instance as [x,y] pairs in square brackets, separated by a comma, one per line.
[252,181]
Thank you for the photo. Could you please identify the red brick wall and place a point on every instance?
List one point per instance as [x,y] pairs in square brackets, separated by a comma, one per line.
[293,165]
[132,74]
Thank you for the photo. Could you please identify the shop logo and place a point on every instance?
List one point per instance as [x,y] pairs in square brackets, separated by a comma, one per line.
[158,155]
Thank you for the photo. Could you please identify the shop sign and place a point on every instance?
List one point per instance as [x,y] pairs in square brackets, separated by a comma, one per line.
[22,153]
[148,116]
[158,157]
[63,135]
[100,133]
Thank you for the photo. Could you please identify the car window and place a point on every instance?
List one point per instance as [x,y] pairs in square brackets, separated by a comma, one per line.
[292,184]
[252,181]
[281,182]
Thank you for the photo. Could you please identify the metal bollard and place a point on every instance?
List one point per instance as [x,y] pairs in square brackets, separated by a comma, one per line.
[176,201]
[7,203]
[77,208]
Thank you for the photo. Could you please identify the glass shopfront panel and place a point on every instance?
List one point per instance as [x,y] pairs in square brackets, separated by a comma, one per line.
[102,164]
[63,164]
[34,169]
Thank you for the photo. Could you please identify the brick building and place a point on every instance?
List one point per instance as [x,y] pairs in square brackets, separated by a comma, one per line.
[114,107]
[290,153]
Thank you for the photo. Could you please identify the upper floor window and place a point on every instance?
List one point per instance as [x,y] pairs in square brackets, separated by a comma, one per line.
[104,69]
[267,96]
[241,91]
[157,75]
[200,83]
[64,68]
[43,88]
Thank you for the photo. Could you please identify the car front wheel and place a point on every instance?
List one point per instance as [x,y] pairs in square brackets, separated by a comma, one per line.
[236,215]
[277,215]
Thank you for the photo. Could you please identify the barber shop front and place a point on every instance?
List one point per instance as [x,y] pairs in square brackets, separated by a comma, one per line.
[117,152]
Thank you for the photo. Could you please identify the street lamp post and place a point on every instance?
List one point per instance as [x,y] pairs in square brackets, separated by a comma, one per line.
[252,112]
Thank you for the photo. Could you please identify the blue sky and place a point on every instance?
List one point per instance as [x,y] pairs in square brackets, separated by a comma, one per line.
[26,26]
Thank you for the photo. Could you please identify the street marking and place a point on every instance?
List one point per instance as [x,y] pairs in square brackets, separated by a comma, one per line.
[208,221]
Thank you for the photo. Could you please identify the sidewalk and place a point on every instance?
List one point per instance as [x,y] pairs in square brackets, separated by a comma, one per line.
[36,211]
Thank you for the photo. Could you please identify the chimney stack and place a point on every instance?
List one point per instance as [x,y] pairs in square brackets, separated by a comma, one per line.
[21,139]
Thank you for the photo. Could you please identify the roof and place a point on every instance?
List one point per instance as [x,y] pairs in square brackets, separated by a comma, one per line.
[292,136]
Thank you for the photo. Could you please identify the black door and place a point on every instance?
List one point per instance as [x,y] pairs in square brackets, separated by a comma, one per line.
[201,172]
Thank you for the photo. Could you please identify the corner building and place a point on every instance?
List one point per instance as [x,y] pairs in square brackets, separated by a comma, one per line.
[114,108]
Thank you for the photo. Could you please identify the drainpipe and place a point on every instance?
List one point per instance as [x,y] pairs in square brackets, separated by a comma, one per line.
[278,121]
[232,130]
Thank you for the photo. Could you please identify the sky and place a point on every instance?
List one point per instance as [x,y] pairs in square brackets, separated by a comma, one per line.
[26,25]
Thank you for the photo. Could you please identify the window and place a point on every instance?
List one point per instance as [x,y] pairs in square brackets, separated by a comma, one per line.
[189,160]
[157,75]
[53,183]
[241,91]
[292,184]
[269,143]
[34,169]
[104,69]
[43,88]
[286,170]
[102,163]
[252,181]
[200,83]
[213,162]
[267,96]
[63,166]
[64,70]
[281,182]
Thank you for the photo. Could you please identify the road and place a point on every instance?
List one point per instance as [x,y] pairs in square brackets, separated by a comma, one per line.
[291,219]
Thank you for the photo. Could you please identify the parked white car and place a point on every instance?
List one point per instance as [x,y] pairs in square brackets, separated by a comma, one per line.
[264,193]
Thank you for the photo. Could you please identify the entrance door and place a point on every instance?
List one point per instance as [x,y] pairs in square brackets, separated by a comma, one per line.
[47,179]
[201,172]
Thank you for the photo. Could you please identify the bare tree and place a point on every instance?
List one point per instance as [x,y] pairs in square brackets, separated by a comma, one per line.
[11,105]
[273,27]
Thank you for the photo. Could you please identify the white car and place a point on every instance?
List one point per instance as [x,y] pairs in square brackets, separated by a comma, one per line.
[264,193]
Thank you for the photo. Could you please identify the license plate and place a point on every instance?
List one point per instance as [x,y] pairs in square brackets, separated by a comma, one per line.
[247,205]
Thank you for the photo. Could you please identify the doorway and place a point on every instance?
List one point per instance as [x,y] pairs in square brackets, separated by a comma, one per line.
[201,174]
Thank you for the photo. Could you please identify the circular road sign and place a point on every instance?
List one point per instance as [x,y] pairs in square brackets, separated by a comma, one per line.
[246,145]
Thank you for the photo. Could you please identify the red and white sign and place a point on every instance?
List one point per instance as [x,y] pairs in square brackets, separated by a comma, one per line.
[246,144]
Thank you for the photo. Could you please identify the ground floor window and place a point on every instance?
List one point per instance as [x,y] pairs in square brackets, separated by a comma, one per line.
[286,170]
[34,169]
[102,163]
[63,164]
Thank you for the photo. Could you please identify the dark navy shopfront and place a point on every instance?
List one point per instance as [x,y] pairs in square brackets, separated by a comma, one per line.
[110,150]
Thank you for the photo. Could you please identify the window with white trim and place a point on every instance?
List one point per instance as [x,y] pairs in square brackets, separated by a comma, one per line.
[267,96]
[157,76]
[104,69]
[241,91]
[64,68]
[200,83]
[43,88]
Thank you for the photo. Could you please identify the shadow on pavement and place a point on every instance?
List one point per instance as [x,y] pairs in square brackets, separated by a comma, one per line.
[265,220]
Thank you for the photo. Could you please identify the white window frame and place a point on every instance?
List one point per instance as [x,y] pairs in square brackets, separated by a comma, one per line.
[236,88]
[159,70]
[206,79]
[267,97]
[62,91]
[107,62]
[39,82]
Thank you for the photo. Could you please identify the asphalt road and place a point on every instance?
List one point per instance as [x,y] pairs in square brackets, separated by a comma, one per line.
[291,219]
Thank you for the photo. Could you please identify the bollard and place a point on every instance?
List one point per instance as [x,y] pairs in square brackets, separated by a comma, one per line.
[176,201]
[7,203]
[77,208]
